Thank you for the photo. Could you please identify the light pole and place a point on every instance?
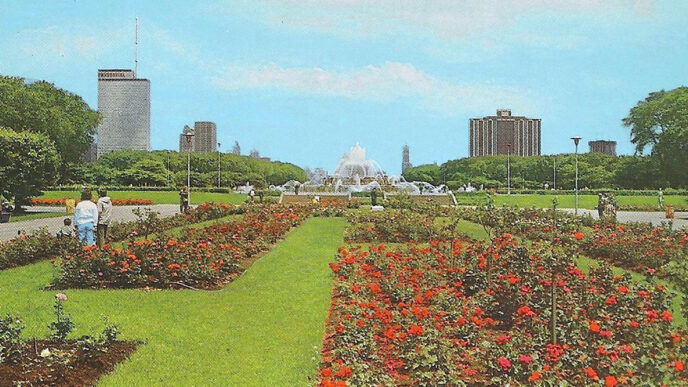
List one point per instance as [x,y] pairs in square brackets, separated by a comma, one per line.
[218,164]
[189,138]
[555,173]
[508,169]
[168,168]
[576,139]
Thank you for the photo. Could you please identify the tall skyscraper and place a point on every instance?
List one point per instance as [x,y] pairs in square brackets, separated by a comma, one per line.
[504,133]
[237,148]
[602,146]
[405,160]
[124,103]
[205,139]
[184,144]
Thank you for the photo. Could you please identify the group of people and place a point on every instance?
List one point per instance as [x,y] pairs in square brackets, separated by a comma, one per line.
[90,218]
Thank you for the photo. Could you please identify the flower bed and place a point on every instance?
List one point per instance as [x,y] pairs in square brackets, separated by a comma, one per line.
[205,258]
[393,226]
[27,249]
[58,361]
[62,202]
[41,244]
[445,314]
[641,247]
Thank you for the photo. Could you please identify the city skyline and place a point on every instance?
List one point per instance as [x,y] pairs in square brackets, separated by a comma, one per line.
[304,83]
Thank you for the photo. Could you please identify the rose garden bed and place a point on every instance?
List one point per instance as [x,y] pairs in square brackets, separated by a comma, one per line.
[447,314]
[206,258]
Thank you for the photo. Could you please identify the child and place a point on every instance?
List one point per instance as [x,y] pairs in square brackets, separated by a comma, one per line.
[66,231]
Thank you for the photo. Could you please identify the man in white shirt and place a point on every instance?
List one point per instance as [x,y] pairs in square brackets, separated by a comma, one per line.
[86,218]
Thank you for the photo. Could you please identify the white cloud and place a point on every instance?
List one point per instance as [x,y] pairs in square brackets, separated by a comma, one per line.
[449,20]
[389,82]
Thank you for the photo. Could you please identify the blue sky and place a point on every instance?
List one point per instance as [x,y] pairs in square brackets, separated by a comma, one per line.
[304,80]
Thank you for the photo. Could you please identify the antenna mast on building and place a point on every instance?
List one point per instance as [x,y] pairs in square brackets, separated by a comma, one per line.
[136,50]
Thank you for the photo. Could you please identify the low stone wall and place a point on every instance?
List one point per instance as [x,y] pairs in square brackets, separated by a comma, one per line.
[307,197]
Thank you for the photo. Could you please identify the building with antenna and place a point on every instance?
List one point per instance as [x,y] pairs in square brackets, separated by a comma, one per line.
[124,104]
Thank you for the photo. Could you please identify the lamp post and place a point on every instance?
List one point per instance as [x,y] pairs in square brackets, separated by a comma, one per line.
[555,173]
[168,168]
[576,139]
[508,169]
[218,164]
[189,138]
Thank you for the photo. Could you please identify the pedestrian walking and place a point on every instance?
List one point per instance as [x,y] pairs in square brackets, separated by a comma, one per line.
[86,218]
[104,206]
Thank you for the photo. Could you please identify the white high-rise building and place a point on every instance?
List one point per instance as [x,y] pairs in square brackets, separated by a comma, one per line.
[124,104]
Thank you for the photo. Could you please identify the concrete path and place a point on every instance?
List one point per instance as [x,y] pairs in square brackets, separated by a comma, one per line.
[656,218]
[120,213]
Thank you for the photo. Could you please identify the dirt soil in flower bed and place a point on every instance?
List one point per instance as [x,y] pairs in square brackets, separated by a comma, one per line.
[32,369]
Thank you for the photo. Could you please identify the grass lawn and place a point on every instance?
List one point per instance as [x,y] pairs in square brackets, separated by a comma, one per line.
[568,201]
[158,197]
[37,215]
[264,329]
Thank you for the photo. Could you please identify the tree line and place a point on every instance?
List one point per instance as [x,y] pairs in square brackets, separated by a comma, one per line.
[142,168]
[658,127]
[595,170]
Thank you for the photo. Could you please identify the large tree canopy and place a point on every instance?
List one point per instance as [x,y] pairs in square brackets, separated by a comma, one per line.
[661,122]
[43,108]
[28,163]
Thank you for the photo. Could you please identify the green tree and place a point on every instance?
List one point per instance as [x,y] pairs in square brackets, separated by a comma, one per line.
[41,107]
[28,163]
[661,122]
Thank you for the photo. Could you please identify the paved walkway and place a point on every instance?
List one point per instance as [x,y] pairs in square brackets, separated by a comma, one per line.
[121,213]
[656,218]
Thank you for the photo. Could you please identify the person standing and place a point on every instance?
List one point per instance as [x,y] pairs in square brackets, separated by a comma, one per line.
[86,218]
[184,199]
[104,206]
[660,200]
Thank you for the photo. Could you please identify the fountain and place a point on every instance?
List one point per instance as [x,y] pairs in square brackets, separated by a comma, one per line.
[353,174]
[355,165]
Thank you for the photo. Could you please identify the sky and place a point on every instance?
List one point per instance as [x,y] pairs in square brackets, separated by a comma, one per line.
[304,80]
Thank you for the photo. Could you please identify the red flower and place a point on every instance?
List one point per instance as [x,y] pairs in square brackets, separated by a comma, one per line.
[501,340]
[594,327]
[579,235]
[666,316]
[590,373]
[610,381]
[535,376]
[504,363]
[678,365]
[416,330]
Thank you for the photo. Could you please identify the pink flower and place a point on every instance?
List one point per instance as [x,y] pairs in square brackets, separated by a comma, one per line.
[61,296]
[504,363]
[525,359]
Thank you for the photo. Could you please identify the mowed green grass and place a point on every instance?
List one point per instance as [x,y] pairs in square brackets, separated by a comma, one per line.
[158,197]
[264,329]
[569,201]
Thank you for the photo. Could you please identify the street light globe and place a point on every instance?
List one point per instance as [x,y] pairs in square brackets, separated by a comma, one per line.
[576,139]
